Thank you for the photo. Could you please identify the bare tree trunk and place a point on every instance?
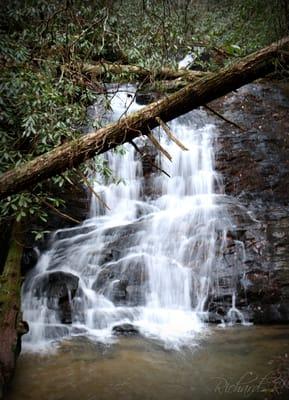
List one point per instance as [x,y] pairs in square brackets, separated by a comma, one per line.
[11,325]
[126,129]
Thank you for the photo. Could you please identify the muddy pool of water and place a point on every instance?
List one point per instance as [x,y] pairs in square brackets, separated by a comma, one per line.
[231,363]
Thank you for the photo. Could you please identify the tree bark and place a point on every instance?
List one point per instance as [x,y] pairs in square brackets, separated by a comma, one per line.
[11,325]
[204,90]
[103,69]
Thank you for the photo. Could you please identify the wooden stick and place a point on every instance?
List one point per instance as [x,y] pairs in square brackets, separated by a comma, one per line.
[62,214]
[92,190]
[170,134]
[158,145]
[223,118]
[151,163]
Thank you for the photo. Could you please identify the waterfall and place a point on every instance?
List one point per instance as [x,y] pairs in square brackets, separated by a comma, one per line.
[152,259]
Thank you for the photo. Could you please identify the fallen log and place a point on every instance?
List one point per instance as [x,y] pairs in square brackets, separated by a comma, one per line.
[168,86]
[11,325]
[103,69]
[204,90]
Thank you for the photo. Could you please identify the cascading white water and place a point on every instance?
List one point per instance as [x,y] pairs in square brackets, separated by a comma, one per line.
[152,258]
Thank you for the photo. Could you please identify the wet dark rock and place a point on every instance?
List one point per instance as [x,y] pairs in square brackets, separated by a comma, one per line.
[56,284]
[123,281]
[55,331]
[214,318]
[270,313]
[216,311]
[59,288]
[263,146]
[62,234]
[123,237]
[255,170]
[118,293]
[143,98]
[29,259]
[149,188]
[133,272]
[75,330]
[136,295]
[109,254]
[259,286]
[125,330]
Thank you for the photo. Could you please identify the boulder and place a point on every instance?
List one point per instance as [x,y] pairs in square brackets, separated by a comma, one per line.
[123,281]
[59,288]
[125,330]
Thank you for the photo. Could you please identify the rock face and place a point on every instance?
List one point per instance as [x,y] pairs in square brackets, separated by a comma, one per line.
[123,281]
[254,163]
[59,288]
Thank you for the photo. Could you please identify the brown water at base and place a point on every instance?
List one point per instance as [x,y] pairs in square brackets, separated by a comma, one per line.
[231,363]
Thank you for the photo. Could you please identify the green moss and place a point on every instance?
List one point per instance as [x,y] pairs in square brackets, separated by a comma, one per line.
[10,280]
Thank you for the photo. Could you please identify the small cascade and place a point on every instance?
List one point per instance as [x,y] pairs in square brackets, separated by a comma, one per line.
[153,259]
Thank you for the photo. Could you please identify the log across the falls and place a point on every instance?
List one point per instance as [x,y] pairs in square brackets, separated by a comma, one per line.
[195,94]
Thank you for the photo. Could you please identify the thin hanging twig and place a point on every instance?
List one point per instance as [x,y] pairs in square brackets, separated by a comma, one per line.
[62,214]
[170,134]
[92,190]
[157,144]
[150,162]
[224,118]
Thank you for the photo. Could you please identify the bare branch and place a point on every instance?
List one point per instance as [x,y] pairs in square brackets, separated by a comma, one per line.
[170,134]
[60,213]
[84,178]
[223,118]
[158,145]
[150,162]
